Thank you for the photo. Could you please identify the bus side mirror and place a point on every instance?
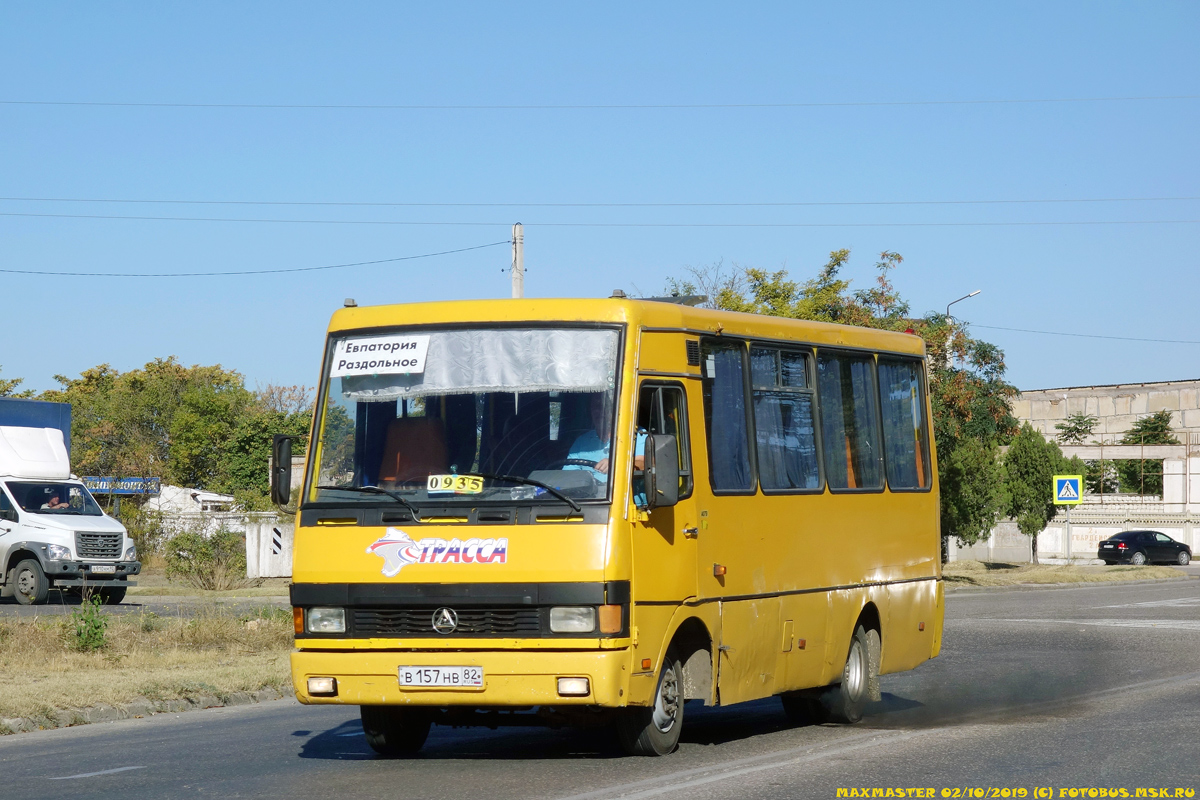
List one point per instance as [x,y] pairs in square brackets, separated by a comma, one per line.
[281,469]
[661,470]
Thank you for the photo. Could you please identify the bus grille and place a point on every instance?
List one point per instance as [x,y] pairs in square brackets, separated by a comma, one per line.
[97,545]
[471,622]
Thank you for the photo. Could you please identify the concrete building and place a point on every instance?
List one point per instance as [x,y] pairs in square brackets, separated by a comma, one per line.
[1116,407]
[1075,537]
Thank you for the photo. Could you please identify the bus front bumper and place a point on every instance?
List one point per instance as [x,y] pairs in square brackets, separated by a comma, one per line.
[518,679]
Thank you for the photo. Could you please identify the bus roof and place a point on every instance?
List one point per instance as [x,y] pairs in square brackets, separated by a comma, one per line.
[652,314]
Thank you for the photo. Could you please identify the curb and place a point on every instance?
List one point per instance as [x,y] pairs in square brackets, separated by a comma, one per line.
[1025,587]
[142,707]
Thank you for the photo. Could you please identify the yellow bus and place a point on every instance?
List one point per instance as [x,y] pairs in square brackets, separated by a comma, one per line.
[592,511]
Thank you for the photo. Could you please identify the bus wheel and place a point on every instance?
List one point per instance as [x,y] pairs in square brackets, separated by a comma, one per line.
[394,731]
[655,731]
[845,703]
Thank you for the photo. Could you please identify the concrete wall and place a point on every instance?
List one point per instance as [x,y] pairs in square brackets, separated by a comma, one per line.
[1077,541]
[1117,406]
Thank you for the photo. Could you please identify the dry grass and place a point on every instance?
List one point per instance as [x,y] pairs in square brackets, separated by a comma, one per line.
[213,653]
[154,582]
[997,573]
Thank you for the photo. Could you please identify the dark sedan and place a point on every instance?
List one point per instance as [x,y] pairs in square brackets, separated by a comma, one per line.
[1143,547]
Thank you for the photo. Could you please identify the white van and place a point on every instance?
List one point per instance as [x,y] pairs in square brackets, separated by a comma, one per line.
[53,534]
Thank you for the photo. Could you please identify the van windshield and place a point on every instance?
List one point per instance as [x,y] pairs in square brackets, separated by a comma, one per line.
[54,498]
[467,415]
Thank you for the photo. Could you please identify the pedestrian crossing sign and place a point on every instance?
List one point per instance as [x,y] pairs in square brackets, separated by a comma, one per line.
[1068,490]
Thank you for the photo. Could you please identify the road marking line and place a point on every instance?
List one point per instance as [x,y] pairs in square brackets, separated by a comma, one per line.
[652,787]
[1177,602]
[1161,624]
[671,782]
[94,774]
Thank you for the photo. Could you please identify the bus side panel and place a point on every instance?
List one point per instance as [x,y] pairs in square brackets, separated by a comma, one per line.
[746,670]
[801,662]
[914,618]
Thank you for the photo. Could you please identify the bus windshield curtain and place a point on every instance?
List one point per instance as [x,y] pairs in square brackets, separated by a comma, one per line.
[903,428]
[729,454]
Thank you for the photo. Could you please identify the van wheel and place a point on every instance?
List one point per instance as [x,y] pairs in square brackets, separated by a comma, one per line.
[30,586]
[655,731]
[395,731]
[845,703]
[111,595]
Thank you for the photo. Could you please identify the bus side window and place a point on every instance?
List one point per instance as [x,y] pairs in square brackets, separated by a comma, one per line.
[725,425]
[785,433]
[904,438]
[849,421]
[663,409]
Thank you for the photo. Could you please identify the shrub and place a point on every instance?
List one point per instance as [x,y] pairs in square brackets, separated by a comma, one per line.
[145,528]
[87,627]
[216,561]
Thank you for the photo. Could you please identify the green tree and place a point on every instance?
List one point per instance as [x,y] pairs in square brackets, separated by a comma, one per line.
[971,400]
[1099,476]
[1029,469]
[972,491]
[8,387]
[1146,476]
[1076,428]
[163,420]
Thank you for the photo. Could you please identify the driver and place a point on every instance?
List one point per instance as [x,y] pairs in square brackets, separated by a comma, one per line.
[594,445]
[54,503]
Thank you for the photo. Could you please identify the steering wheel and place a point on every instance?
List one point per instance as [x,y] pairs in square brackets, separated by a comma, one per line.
[576,462]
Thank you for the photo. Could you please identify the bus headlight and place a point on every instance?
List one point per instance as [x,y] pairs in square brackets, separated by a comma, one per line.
[572,619]
[327,620]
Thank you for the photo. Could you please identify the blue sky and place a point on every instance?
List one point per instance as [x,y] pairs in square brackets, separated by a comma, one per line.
[1134,276]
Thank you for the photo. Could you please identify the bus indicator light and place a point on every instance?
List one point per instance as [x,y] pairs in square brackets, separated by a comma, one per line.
[718,570]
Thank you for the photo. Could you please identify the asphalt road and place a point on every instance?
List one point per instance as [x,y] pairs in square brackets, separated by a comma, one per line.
[61,603]
[1053,688]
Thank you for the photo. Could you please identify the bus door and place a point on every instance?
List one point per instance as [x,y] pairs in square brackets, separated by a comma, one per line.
[664,540]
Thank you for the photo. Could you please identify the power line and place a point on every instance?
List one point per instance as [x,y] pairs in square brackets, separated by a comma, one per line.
[1087,335]
[248,271]
[768,204]
[590,106]
[471,223]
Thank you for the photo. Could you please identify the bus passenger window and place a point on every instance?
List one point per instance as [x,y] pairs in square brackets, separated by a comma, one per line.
[849,421]
[725,417]
[904,438]
[783,420]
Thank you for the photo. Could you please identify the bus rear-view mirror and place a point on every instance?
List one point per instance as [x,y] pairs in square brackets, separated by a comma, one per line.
[281,469]
[661,470]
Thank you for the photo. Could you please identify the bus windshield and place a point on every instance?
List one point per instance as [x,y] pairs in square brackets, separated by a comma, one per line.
[478,415]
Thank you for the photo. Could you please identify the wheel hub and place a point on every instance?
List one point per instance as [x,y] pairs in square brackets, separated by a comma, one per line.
[666,705]
[26,582]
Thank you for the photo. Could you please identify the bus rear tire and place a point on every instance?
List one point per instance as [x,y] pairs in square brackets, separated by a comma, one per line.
[394,731]
[845,703]
[655,731]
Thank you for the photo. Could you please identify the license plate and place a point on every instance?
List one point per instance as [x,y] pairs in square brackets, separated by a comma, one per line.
[1107,546]
[465,677]
[104,569]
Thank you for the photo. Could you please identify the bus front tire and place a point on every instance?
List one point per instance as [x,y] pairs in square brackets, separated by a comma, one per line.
[655,731]
[395,731]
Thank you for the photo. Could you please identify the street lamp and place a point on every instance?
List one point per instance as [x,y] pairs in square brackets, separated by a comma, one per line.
[959,300]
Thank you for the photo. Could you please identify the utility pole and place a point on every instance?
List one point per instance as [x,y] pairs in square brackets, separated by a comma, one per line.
[518,262]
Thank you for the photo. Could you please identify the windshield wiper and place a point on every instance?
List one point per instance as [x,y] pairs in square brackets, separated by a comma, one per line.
[376,490]
[531,482]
